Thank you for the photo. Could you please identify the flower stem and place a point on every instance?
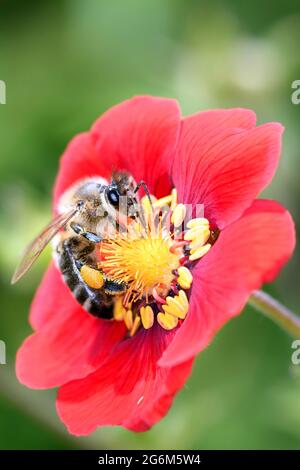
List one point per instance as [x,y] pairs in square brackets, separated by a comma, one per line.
[273,309]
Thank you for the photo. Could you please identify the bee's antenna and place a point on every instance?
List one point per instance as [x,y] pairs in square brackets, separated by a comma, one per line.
[141,213]
[144,185]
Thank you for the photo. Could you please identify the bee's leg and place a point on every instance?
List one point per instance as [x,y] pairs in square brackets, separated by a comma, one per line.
[114,287]
[110,287]
[90,236]
[71,254]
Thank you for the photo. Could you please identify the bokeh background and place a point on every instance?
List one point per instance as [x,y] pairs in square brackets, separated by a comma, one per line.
[65,62]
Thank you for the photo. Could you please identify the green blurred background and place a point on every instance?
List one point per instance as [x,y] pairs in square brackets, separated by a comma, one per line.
[64,63]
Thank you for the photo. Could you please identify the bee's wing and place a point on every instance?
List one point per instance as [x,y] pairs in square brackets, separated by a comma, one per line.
[35,248]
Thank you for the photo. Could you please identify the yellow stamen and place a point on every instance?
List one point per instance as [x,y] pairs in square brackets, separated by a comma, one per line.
[119,310]
[92,277]
[199,240]
[147,317]
[200,252]
[197,234]
[146,204]
[128,319]
[177,306]
[142,263]
[183,299]
[178,215]
[198,222]
[185,277]
[174,198]
[166,321]
[135,326]
[164,201]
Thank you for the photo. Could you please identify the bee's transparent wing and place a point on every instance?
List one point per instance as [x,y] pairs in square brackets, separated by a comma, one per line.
[35,248]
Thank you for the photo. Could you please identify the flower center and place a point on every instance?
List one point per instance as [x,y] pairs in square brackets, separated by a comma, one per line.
[143,263]
[154,258]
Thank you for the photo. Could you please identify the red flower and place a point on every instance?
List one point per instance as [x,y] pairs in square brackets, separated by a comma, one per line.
[216,158]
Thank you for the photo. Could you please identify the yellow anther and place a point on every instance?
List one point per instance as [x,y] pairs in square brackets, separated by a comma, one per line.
[92,277]
[164,201]
[135,326]
[128,319]
[173,308]
[178,215]
[185,277]
[197,234]
[147,317]
[174,198]
[200,240]
[192,233]
[183,299]
[166,321]
[119,311]
[177,306]
[200,252]
[146,204]
[198,222]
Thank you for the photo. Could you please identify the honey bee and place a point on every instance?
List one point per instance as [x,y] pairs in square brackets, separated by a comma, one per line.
[88,213]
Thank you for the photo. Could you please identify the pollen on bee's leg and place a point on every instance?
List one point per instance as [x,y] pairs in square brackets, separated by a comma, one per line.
[92,277]
[147,317]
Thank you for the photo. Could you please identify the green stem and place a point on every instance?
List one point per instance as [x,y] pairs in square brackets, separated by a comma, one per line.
[273,309]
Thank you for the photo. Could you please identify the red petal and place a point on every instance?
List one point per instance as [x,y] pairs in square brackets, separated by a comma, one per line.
[78,161]
[223,167]
[241,118]
[70,343]
[128,390]
[51,297]
[140,135]
[248,253]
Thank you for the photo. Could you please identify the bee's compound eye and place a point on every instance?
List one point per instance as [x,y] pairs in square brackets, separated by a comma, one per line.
[113,197]
[80,204]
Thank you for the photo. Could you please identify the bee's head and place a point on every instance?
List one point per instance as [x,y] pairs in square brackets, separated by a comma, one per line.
[122,198]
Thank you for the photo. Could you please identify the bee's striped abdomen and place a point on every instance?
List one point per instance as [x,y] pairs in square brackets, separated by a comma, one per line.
[94,301]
